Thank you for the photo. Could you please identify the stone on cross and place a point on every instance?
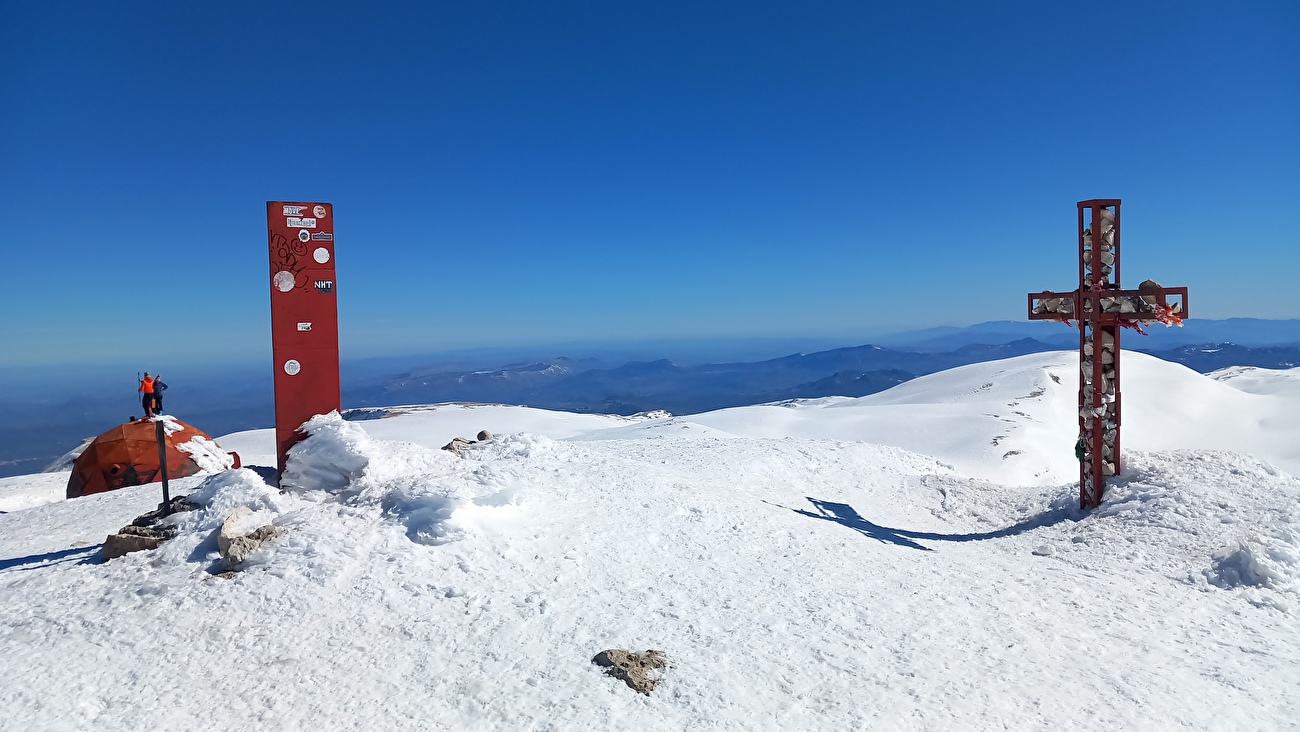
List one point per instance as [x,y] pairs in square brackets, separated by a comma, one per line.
[1101,309]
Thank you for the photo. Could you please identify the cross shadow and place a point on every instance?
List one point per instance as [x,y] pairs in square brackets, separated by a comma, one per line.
[843,513]
[86,555]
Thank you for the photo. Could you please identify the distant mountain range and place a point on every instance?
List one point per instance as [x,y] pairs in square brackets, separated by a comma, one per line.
[576,386]
[37,426]
[1212,357]
[1250,332]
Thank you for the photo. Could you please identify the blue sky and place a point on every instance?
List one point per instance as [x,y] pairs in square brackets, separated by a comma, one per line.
[512,173]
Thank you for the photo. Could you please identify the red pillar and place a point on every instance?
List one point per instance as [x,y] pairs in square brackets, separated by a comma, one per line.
[304,316]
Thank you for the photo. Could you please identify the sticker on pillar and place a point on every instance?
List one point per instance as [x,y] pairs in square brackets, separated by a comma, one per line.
[321,255]
[293,210]
[283,280]
[319,211]
[297,223]
[304,236]
[304,327]
[325,286]
[292,367]
[322,236]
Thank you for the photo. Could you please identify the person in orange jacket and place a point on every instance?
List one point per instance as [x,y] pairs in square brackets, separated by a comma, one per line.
[146,394]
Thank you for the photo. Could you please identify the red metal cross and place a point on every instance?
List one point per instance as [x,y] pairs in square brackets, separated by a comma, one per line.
[1102,309]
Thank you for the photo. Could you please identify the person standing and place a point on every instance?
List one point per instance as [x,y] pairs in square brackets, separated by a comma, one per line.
[158,387]
[146,395]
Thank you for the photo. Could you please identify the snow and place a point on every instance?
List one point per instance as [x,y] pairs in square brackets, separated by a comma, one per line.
[873,563]
[1256,380]
[24,491]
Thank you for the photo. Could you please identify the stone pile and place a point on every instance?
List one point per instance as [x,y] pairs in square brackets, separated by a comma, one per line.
[1098,345]
[459,445]
[1064,304]
[145,532]
[1105,241]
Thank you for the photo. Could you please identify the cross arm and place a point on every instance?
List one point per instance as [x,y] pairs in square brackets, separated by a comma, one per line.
[1048,305]
[1150,302]
[1147,303]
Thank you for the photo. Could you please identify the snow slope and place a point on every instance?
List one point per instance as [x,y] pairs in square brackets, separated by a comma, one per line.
[1014,421]
[799,572]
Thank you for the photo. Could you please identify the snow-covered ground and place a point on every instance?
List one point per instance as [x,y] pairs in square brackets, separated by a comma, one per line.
[914,559]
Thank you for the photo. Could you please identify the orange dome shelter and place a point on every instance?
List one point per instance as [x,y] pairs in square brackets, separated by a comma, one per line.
[127,455]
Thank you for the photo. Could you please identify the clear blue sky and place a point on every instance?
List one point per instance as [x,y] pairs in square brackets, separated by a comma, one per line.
[525,172]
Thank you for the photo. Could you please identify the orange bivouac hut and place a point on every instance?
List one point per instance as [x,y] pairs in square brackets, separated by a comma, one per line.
[127,455]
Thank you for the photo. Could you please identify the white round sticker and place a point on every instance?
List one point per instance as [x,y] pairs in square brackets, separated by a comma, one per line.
[321,255]
[292,367]
[304,236]
[319,211]
[283,280]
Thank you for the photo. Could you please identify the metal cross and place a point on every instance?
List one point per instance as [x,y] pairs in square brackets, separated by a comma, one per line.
[1101,309]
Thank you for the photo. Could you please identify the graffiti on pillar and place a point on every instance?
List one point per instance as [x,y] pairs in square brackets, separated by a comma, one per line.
[291,258]
[1101,309]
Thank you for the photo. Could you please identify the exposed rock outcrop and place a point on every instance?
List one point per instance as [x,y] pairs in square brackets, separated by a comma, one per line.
[236,544]
[637,670]
[144,532]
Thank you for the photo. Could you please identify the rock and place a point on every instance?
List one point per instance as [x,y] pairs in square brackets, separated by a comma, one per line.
[1155,293]
[457,445]
[236,545]
[1045,550]
[634,669]
[179,504]
[230,529]
[116,545]
[142,533]
[241,547]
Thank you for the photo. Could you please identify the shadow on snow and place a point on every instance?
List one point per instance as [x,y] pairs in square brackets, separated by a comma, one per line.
[846,515]
[86,555]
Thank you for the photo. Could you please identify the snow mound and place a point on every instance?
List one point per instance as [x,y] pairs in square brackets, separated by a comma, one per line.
[1215,519]
[420,487]
[334,454]
[207,454]
[219,496]
[1257,380]
[1259,561]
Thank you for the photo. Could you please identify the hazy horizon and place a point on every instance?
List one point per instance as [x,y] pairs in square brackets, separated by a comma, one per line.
[577,172]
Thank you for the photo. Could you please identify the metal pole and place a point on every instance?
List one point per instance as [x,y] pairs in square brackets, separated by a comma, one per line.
[162,466]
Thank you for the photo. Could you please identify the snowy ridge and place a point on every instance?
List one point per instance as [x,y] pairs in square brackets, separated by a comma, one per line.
[796,580]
